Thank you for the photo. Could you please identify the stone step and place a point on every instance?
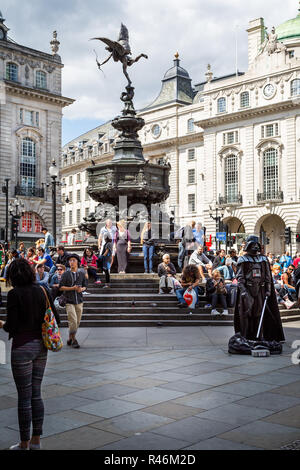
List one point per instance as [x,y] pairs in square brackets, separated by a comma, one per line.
[151,316]
[189,321]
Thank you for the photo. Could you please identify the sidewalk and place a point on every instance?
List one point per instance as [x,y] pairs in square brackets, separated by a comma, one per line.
[162,389]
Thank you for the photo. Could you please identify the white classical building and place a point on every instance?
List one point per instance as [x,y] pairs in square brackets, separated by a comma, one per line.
[232,142]
[30,130]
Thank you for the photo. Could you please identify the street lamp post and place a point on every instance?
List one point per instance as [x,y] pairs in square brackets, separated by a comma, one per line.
[16,210]
[53,172]
[5,191]
[219,214]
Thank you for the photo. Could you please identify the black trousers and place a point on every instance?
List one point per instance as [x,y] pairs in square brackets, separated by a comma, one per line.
[218,298]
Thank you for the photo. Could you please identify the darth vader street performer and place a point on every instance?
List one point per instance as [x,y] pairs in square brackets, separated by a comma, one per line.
[255,285]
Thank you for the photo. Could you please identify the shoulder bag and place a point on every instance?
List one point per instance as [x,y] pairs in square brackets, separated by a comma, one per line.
[50,331]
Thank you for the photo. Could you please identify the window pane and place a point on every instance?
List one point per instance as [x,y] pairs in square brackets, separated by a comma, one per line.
[12,72]
[270,173]
[78,216]
[295,87]
[40,79]
[221,105]
[191,176]
[269,130]
[191,202]
[70,218]
[190,125]
[230,137]
[191,154]
[78,195]
[28,163]
[231,178]
[244,99]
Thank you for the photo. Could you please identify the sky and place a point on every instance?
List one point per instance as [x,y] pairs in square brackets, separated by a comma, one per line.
[201,32]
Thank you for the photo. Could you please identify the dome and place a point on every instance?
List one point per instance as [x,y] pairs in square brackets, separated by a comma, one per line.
[290,29]
[176,70]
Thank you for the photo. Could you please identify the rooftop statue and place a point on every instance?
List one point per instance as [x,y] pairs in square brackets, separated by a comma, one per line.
[120,51]
[271,43]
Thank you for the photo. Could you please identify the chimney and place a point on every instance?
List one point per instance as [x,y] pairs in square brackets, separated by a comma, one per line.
[256,36]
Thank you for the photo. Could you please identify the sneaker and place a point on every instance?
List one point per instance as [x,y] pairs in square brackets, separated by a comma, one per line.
[35,446]
[145,272]
[207,306]
[98,282]
[151,272]
[225,312]
[106,286]
[86,293]
[215,312]
[69,342]
[75,344]
[17,447]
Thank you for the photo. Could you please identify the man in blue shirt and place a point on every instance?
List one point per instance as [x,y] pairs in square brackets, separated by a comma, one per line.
[285,261]
[49,240]
[44,259]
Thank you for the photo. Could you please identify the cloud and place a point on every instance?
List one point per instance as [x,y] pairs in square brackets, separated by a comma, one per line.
[202,32]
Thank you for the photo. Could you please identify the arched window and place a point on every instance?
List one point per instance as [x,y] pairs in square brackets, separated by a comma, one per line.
[40,79]
[12,72]
[270,173]
[295,87]
[244,99]
[221,104]
[31,222]
[231,178]
[190,125]
[28,164]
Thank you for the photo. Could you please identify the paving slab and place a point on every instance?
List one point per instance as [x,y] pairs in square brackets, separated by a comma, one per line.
[270,401]
[275,378]
[293,369]
[142,382]
[185,386]
[123,374]
[201,368]
[216,378]
[8,402]
[66,402]
[167,376]
[292,389]
[216,443]
[8,437]
[110,408]
[245,388]
[131,423]
[152,396]
[262,434]
[235,414]
[85,438]
[193,429]
[288,417]
[207,399]
[147,441]
[173,410]
[105,391]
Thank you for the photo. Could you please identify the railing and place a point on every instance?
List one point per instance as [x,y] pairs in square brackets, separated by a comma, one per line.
[28,191]
[270,196]
[234,199]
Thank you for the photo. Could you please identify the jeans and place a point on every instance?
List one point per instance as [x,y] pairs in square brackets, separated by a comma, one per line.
[180,292]
[104,263]
[221,298]
[28,364]
[148,251]
[227,272]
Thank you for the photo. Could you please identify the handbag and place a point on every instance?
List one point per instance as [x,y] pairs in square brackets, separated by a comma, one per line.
[50,331]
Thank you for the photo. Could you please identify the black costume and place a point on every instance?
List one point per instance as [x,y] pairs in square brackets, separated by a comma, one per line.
[254,285]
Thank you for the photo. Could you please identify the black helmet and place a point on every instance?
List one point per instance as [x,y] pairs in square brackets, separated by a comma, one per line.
[252,239]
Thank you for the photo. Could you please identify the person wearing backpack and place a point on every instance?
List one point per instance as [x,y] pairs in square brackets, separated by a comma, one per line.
[28,352]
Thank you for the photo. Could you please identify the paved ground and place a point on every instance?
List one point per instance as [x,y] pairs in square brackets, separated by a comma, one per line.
[162,388]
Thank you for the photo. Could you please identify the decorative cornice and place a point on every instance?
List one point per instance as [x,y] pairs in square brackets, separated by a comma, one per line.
[246,114]
[18,89]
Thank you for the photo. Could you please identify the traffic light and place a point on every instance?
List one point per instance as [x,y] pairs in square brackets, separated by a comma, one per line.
[233,239]
[14,226]
[287,235]
[298,237]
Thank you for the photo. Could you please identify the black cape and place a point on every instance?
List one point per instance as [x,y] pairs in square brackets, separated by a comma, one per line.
[247,327]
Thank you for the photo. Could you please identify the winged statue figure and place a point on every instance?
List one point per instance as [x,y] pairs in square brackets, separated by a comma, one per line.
[120,51]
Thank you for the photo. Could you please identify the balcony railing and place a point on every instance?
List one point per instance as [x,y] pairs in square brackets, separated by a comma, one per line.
[276,196]
[234,199]
[28,191]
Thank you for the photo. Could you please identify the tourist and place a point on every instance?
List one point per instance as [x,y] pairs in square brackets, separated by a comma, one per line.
[147,243]
[104,260]
[216,292]
[285,261]
[22,248]
[44,258]
[72,237]
[190,279]
[73,283]
[187,244]
[12,256]
[32,256]
[28,353]
[296,260]
[242,249]
[40,243]
[199,259]
[42,277]
[122,246]
[166,272]
[288,282]
[219,259]
[110,230]
[198,234]
[49,240]
[55,280]
[89,263]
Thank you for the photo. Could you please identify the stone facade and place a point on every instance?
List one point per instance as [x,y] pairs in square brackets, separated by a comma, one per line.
[233,145]
[30,130]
